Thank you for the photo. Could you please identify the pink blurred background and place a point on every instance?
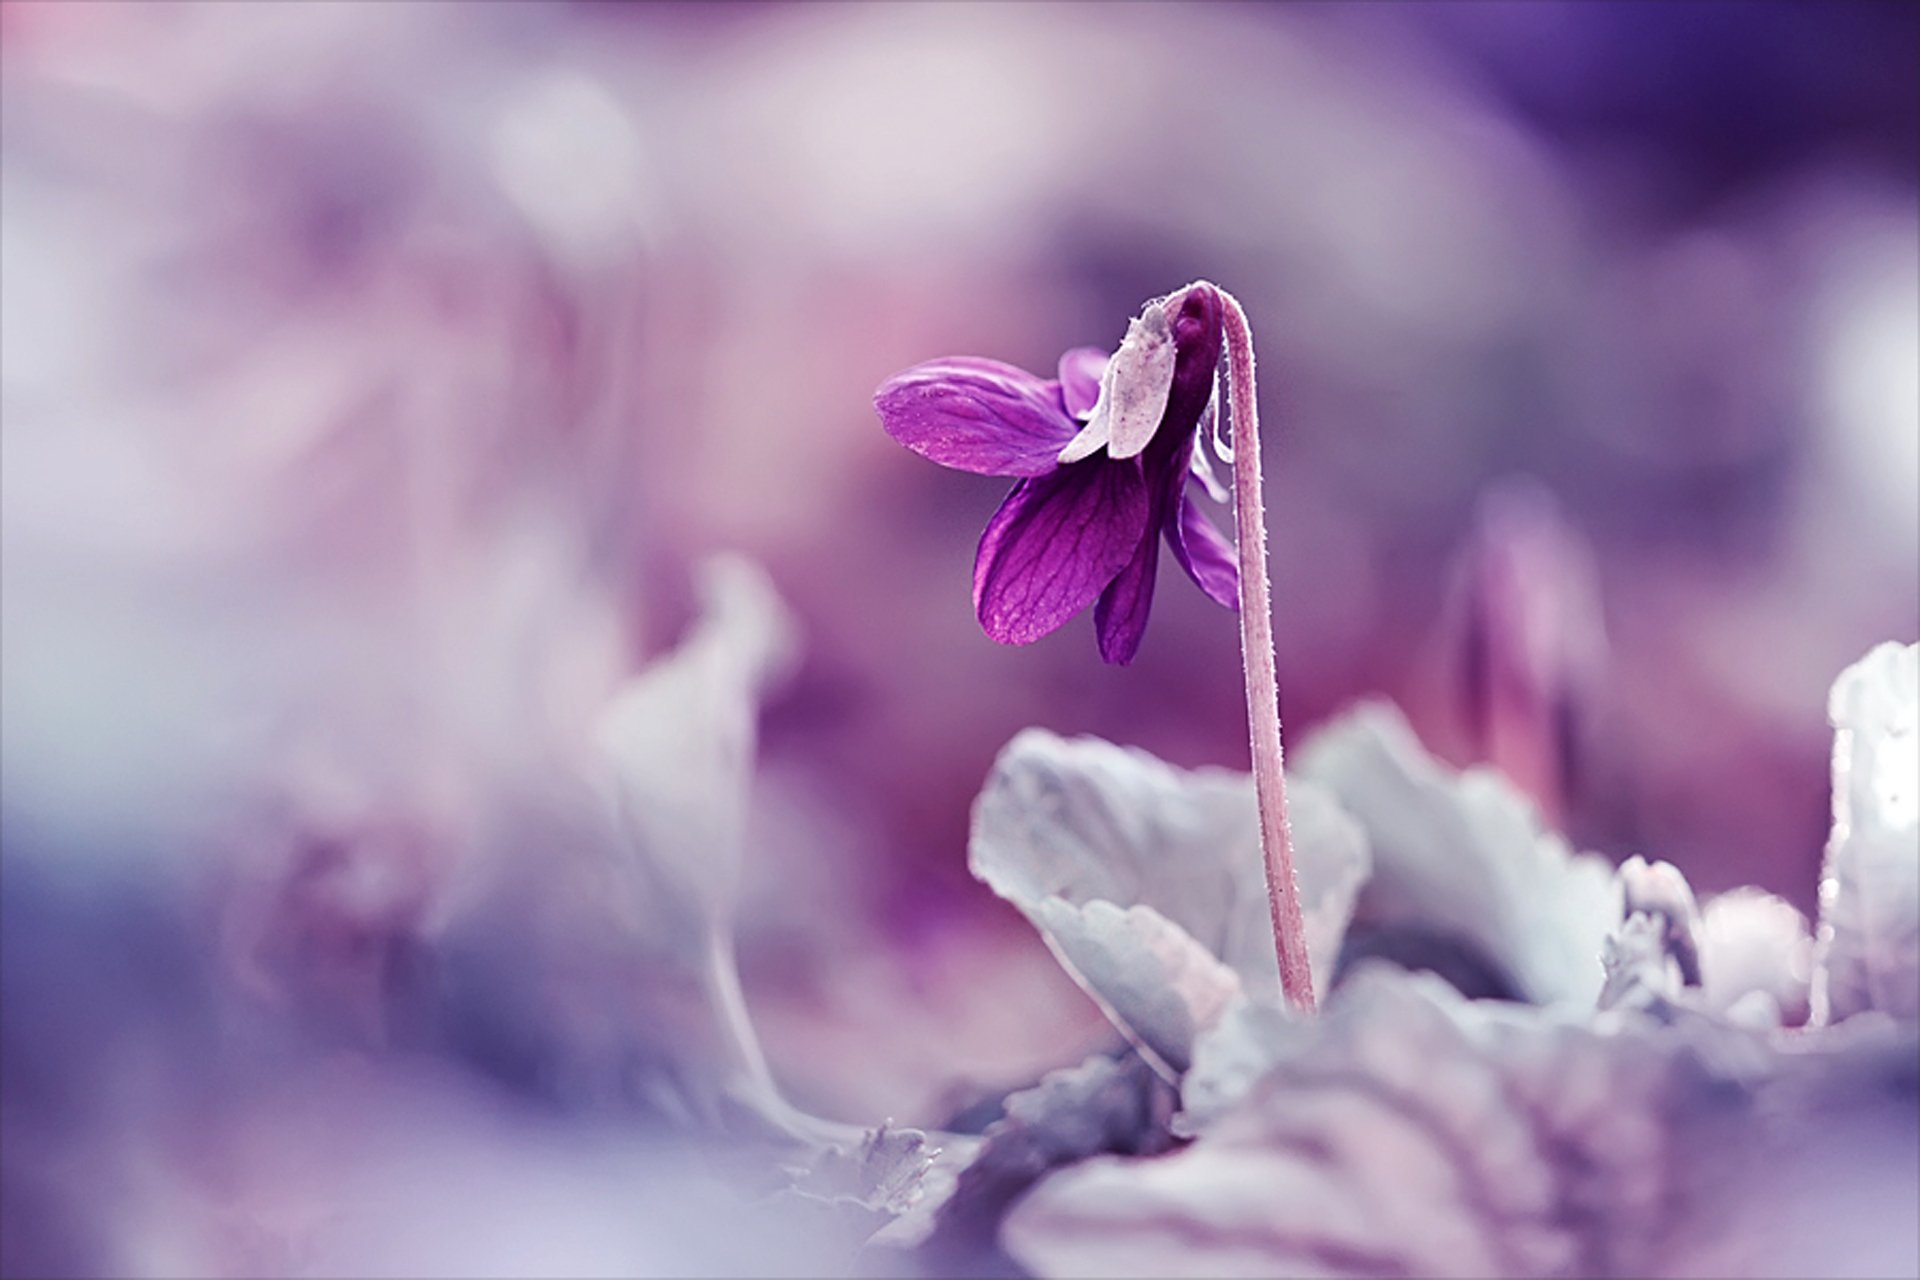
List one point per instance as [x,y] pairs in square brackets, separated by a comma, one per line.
[373,374]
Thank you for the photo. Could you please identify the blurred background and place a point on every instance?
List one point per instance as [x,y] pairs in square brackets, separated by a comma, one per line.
[374,375]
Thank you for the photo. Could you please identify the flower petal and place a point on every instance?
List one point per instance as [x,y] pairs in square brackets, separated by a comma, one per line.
[1080,371]
[1133,390]
[1200,464]
[1137,382]
[1055,544]
[1196,326]
[1204,552]
[1120,618]
[976,415]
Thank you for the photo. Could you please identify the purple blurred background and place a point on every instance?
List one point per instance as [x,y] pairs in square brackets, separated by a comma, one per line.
[373,374]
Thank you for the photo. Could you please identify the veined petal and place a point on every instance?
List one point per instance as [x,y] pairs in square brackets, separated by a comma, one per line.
[1080,371]
[1120,618]
[1204,552]
[976,415]
[1055,544]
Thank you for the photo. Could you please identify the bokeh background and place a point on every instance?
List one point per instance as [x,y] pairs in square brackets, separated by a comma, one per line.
[374,374]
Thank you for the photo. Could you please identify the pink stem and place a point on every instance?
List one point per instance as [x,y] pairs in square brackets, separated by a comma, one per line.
[1256,649]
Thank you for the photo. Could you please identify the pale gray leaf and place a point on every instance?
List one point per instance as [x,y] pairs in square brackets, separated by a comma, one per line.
[881,1172]
[1172,858]
[1463,857]
[1232,1055]
[1869,941]
[1420,1134]
[1756,957]
[1653,957]
[678,744]
[1660,891]
[848,1193]
[1638,968]
[1103,1106]
[1159,986]
[1825,1181]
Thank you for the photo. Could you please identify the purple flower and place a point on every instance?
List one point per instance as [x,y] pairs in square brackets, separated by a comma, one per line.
[1103,453]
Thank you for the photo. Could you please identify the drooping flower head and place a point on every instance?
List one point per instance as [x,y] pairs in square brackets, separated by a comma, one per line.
[1103,453]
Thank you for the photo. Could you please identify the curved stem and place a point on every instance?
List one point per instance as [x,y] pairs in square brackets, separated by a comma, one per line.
[1256,651]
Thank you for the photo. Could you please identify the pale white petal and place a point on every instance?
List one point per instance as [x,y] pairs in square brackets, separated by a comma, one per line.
[1133,390]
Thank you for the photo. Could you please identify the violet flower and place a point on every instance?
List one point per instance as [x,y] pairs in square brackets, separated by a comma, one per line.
[1094,499]
[1103,454]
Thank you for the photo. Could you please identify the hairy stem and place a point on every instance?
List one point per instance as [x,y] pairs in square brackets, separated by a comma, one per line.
[1256,651]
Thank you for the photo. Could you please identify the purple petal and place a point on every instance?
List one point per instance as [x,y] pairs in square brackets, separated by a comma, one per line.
[1197,333]
[1080,371]
[1120,619]
[1204,552]
[1055,543]
[976,415]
